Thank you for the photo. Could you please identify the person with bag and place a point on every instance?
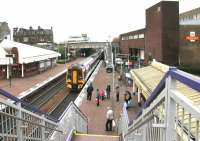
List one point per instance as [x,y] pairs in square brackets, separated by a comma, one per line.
[109,117]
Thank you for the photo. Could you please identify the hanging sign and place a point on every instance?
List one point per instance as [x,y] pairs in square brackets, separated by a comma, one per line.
[192,37]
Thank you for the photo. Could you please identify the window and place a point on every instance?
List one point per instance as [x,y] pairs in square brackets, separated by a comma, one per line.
[25,39]
[130,37]
[141,36]
[158,9]
[135,36]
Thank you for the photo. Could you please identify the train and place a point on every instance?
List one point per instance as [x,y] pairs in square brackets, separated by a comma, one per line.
[78,74]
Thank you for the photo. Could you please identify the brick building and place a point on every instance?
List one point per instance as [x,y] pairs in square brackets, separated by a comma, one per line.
[133,43]
[189,45]
[160,38]
[33,36]
[162,32]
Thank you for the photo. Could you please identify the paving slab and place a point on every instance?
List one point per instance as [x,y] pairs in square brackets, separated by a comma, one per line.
[97,115]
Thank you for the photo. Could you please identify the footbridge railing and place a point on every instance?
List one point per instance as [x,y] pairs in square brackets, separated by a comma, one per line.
[19,124]
[170,113]
[71,120]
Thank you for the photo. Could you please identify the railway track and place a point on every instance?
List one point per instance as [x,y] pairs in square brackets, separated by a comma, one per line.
[41,97]
[48,94]
[58,111]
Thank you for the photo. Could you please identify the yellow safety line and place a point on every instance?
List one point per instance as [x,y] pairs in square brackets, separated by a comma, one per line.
[80,134]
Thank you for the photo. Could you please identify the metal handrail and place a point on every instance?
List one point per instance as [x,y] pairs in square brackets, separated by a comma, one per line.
[33,123]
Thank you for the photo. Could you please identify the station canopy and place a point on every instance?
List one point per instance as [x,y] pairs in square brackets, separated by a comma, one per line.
[3,59]
[28,53]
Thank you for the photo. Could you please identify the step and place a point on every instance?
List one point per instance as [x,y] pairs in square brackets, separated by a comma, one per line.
[94,137]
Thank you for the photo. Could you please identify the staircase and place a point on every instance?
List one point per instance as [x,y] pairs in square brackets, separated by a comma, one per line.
[94,137]
[169,114]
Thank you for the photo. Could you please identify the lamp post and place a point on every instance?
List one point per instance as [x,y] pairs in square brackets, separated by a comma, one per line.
[68,54]
[65,53]
[9,56]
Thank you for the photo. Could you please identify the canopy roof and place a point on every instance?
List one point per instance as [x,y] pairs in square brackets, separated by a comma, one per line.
[3,59]
[147,78]
[27,53]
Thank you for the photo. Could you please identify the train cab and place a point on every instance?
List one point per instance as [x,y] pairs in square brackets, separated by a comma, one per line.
[75,77]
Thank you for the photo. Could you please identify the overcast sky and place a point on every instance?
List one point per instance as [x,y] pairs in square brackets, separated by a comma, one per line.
[98,18]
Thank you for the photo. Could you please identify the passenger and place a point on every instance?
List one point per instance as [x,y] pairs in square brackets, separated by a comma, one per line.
[109,117]
[117,93]
[102,94]
[120,79]
[97,97]
[127,99]
[89,92]
[108,91]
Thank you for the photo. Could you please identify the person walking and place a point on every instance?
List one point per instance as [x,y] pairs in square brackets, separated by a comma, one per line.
[89,92]
[109,119]
[108,91]
[117,93]
[102,94]
[97,97]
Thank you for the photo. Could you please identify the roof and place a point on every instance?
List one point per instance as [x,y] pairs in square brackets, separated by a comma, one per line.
[147,78]
[3,59]
[27,53]
[139,31]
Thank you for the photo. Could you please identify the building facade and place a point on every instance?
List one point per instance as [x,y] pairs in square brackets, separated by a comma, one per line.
[190,38]
[160,38]
[4,31]
[26,60]
[191,17]
[33,36]
[162,32]
[133,43]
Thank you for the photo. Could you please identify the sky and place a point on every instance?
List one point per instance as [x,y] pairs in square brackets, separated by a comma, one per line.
[101,20]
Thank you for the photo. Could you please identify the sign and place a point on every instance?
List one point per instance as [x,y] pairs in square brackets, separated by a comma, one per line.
[192,37]
[10,55]
[129,63]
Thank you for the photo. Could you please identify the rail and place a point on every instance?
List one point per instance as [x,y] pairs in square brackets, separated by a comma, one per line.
[74,119]
[26,105]
[168,114]
[20,124]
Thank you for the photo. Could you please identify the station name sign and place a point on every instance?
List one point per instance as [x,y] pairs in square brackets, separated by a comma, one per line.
[192,37]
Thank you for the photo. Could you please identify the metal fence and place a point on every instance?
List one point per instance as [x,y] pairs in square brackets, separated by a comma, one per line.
[72,119]
[17,124]
[170,116]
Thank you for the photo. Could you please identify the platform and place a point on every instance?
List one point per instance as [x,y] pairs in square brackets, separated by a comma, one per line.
[97,115]
[20,85]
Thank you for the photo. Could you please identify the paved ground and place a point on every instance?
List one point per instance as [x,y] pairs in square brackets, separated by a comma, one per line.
[19,85]
[97,115]
[94,138]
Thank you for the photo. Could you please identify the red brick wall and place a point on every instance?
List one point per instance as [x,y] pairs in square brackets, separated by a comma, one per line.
[162,32]
[189,51]
[132,43]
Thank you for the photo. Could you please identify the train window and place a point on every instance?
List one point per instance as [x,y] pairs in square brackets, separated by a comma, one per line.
[69,74]
[80,74]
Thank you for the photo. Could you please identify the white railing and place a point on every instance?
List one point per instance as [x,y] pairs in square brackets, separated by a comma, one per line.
[73,119]
[123,121]
[170,117]
[18,124]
